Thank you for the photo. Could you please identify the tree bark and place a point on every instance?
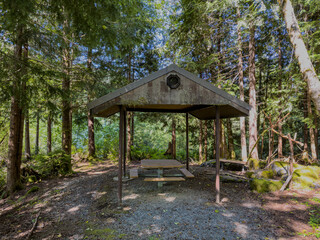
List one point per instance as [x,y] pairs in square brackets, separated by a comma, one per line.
[253,134]
[36,150]
[27,148]
[280,154]
[205,140]
[49,134]
[128,155]
[311,130]
[301,53]
[200,142]
[232,153]
[91,142]
[316,135]
[244,155]
[305,125]
[66,85]
[16,116]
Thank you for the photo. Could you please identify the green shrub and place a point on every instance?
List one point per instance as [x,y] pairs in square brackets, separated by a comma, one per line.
[146,152]
[264,185]
[3,177]
[55,164]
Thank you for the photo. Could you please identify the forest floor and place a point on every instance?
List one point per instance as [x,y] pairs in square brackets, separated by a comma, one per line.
[84,206]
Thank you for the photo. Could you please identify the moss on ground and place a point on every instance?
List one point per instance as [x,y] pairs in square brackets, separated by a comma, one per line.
[249,174]
[267,174]
[305,176]
[94,232]
[255,164]
[264,185]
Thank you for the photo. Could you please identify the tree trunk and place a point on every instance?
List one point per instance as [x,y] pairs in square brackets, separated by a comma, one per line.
[244,155]
[128,155]
[301,53]
[280,154]
[27,148]
[316,135]
[174,147]
[16,116]
[49,133]
[232,153]
[271,144]
[200,142]
[305,125]
[214,138]
[66,85]
[311,130]
[91,143]
[205,140]
[36,150]
[253,134]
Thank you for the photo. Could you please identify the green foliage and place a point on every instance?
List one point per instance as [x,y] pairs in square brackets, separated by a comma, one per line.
[146,152]
[55,164]
[3,177]
[264,185]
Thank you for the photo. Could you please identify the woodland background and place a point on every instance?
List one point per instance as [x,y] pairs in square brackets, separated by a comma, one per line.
[56,56]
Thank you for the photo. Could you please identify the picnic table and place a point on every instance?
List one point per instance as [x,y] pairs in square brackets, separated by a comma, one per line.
[160,165]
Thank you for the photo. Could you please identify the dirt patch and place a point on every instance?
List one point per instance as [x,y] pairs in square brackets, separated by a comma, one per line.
[84,206]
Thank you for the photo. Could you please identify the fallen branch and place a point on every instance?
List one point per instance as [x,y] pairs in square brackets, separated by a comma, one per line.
[287,182]
[286,137]
[33,227]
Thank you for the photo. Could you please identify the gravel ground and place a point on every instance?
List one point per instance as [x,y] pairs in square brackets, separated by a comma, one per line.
[85,207]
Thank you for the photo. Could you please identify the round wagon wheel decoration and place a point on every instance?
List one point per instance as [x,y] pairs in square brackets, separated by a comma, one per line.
[173,81]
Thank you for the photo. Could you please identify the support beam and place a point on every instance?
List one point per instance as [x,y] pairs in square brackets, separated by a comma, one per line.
[187,140]
[217,154]
[121,154]
[124,141]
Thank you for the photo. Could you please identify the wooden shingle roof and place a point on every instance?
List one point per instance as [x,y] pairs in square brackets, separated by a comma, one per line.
[153,94]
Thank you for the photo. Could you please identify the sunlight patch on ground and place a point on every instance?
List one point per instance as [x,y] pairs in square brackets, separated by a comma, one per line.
[242,229]
[157,217]
[74,209]
[170,199]
[249,205]
[227,214]
[131,196]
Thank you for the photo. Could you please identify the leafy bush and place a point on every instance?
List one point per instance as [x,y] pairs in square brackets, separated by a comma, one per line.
[55,164]
[3,176]
[143,152]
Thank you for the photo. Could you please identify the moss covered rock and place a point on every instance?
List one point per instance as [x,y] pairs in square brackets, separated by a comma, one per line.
[249,174]
[255,164]
[264,185]
[267,174]
[306,176]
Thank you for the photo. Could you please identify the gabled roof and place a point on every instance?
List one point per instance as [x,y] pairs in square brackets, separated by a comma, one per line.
[152,94]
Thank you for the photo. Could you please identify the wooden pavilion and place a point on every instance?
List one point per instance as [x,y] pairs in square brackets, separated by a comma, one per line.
[170,90]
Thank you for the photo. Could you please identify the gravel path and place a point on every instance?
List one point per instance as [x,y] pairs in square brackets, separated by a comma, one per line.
[85,207]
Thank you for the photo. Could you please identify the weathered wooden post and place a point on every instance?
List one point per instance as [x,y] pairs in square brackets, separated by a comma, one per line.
[217,154]
[121,147]
[187,140]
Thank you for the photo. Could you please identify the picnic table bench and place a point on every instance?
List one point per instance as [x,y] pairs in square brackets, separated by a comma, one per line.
[160,165]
